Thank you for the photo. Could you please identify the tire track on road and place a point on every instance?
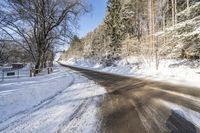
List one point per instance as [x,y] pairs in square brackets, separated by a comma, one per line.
[133,106]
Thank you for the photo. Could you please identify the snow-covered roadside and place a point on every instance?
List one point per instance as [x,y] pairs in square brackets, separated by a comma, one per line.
[61,102]
[20,96]
[173,71]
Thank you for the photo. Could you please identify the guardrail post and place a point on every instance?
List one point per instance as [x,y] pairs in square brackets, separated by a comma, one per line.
[31,73]
[3,75]
[18,74]
[48,70]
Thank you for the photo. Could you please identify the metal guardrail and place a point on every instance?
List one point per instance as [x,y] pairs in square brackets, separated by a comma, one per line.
[9,73]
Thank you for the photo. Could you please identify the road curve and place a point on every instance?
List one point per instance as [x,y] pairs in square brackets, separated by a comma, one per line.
[135,105]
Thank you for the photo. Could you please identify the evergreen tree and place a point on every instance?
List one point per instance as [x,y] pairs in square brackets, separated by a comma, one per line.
[127,17]
[113,30]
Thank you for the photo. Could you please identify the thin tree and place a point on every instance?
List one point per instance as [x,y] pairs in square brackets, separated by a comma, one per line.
[173,12]
[188,4]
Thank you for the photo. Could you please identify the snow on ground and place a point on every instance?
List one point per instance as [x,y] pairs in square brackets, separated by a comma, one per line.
[59,102]
[174,71]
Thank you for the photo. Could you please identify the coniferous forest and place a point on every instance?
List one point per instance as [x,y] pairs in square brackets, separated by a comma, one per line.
[150,29]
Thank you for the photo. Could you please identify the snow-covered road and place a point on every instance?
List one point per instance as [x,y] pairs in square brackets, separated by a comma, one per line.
[60,102]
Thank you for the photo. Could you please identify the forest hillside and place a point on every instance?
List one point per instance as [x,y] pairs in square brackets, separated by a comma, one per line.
[148,29]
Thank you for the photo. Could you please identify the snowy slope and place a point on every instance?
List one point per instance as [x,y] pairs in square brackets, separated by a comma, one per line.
[184,72]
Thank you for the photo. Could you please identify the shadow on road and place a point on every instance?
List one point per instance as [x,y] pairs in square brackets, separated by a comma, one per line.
[134,105]
[178,124]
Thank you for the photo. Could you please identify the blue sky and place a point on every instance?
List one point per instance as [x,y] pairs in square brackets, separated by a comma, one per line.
[90,21]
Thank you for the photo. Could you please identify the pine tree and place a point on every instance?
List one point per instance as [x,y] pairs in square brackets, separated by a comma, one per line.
[113,30]
[128,17]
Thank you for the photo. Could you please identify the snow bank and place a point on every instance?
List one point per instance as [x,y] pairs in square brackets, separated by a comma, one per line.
[188,114]
[86,63]
[173,71]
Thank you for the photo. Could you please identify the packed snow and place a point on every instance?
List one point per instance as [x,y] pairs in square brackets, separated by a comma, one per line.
[58,102]
[185,72]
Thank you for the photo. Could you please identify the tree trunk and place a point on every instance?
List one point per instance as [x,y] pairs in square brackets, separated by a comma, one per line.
[38,65]
[173,13]
[188,4]
[39,62]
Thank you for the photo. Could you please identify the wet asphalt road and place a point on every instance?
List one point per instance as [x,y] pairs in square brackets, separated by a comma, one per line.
[135,105]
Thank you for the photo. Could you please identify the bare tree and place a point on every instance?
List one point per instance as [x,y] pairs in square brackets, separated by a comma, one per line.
[3,55]
[173,12]
[38,25]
